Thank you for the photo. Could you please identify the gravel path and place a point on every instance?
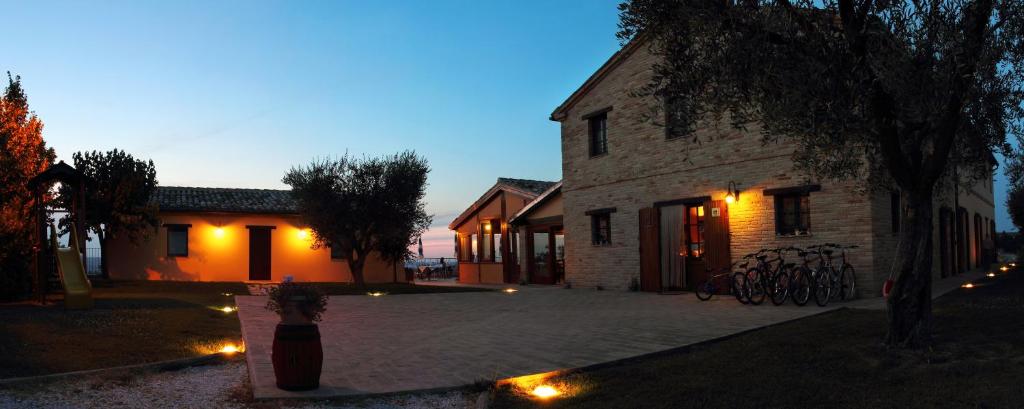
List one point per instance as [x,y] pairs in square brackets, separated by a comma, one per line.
[217,386]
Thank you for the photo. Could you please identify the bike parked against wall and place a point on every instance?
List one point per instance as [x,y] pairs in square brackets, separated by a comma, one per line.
[817,275]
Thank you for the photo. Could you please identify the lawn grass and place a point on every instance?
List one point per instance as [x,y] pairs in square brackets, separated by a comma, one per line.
[135,322]
[392,288]
[830,360]
[132,323]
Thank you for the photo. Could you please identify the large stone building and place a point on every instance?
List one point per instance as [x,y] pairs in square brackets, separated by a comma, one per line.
[641,206]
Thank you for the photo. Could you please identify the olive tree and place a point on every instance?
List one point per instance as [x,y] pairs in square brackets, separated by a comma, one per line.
[361,206]
[889,91]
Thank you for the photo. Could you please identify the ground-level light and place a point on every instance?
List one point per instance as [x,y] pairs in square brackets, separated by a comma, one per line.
[230,348]
[545,391]
[228,309]
[509,290]
[376,294]
[968,285]
[991,274]
[1004,269]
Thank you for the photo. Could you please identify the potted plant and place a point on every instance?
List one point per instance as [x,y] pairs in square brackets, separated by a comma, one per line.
[297,353]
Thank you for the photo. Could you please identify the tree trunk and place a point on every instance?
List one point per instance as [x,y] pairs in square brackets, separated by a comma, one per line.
[355,265]
[910,301]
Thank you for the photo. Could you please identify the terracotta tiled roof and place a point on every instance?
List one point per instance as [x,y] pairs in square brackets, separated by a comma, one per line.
[534,186]
[229,200]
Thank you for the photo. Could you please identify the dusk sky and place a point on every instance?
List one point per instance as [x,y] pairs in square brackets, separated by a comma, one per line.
[226,94]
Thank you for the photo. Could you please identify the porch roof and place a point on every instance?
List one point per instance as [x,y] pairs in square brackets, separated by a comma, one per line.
[523,213]
[527,188]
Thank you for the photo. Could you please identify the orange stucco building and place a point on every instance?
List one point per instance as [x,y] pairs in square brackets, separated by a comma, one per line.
[217,234]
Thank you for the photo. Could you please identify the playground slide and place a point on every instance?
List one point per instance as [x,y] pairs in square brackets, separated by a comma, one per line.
[77,288]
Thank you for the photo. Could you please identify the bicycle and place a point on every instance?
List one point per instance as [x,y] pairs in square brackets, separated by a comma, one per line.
[825,275]
[844,284]
[801,283]
[710,287]
[768,279]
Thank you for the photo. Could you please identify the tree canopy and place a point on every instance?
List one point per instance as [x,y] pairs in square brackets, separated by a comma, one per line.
[900,93]
[360,206]
[23,155]
[117,202]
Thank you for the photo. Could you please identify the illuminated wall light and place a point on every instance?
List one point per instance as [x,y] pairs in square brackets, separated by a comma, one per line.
[218,232]
[302,234]
[732,193]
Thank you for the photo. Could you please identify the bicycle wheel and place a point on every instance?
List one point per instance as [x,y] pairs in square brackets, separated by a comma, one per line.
[822,288]
[705,290]
[755,291]
[780,288]
[848,283]
[738,286]
[800,289]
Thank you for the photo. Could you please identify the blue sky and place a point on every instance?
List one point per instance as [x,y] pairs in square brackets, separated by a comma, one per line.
[231,94]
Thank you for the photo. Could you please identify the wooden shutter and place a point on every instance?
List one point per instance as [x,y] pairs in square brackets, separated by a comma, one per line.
[716,237]
[650,267]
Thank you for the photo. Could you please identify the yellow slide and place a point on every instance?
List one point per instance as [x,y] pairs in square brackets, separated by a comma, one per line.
[77,288]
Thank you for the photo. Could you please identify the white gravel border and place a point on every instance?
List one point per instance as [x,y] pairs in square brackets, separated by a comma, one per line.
[213,386]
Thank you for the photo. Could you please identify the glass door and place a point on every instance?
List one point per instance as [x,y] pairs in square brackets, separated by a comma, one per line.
[559,274]
[541,271]
[694,229]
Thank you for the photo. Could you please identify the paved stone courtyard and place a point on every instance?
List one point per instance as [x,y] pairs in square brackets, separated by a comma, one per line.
[427,341]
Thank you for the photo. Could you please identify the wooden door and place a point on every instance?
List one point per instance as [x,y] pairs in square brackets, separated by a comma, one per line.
[717,255]
[650,263]
[259,253]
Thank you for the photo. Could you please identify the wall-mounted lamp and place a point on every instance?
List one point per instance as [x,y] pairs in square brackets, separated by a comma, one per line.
[732,193]
[302,234]
[218,231]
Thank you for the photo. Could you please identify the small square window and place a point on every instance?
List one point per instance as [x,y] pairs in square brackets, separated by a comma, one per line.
[598,134]
[177,241]
[792,214]
[601,229]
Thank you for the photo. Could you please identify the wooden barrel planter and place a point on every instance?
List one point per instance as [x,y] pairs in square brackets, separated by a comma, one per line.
[298,357]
